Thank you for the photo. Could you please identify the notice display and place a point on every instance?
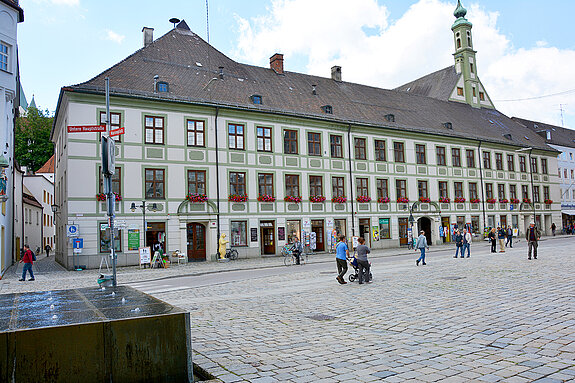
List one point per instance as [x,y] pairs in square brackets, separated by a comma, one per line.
[133,239]
[145,255]
[254,234]
[281,233]
[86,128]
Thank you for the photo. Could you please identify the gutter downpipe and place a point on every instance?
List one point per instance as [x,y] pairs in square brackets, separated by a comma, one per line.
[350,180]
[482,187]
[217,182]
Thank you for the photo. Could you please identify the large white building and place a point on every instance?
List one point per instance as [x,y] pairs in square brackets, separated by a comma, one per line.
[10,15]
[262,155]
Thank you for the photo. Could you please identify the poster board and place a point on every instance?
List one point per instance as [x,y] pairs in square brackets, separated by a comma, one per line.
[354,241]
[133,239]
[375,232]
[145,255]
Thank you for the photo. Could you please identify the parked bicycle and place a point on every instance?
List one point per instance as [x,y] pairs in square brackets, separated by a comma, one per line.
[232,254]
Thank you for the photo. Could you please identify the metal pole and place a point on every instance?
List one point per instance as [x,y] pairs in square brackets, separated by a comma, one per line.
[217,182]
[110,195]
[351,183]
[145,225]
[532,187]
[482,187]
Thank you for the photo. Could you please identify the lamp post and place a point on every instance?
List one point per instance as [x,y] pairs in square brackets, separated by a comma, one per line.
[144,206]
[531,177]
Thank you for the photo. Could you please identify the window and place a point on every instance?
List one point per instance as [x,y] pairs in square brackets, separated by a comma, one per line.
[440,151]
[154,130]
[359,148]
[116,181]
[544,169]
[536,196]
[105,239]
[361,187]
[337,187]
[422,189]
[292,185]
[196,182]
[290,142]
[501,191]
[513,191]
[401,188]
[380,150]
[524,191]
[264,137]
[488,190]
[266,184]
[456,157]
[474,94]
[458,186]
[314,144]
[510,162]
[237,183]
[534,164]
[473,191]
[163,87]
[443,192]
[335,146]
[382,190]
[115,123]
[154,183]
[470,154]
[196,133]
[482,96]
[327,109]
[420,154]
[4,51]
[565,173]
[236,136]
[486,160]
[315,186]
[398,152]
[499,161]
[257,99]
[471,69]
[384,228]
[239,233]
[572,174]
[522,164]
[459,91]
[545,193]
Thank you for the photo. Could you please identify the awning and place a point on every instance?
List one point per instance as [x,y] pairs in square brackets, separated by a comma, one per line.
[568,212]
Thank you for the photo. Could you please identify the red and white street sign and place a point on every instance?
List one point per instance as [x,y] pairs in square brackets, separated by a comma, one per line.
[117,132]
[86,128]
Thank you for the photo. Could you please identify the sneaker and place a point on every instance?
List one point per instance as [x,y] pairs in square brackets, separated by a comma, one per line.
[31,279]
[21,280]
[417,263]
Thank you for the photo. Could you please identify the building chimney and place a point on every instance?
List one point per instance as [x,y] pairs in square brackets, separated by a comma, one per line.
[148,36]
[277,63]
[336,73]
[221,72]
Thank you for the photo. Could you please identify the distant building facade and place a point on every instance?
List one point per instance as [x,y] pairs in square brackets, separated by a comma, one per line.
[33,228]
[43,192]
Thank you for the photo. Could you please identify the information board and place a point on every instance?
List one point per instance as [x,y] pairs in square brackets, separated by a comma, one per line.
[355,241]
[375,232]
[133,239]
[145,255]
[281,233]
[254,234]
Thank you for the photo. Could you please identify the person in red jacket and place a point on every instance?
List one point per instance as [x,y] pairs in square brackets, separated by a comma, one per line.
[28,260]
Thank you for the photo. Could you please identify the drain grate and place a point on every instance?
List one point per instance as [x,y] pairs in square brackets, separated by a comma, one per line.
[321,317]
[452,278]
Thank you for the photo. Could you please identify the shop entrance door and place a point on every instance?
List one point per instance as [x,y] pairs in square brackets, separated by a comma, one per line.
[446,229]
[364,230]
[317,228]
[196,237]
[156,236]
[268,244]
[402,223]
[504,221]
[424,224]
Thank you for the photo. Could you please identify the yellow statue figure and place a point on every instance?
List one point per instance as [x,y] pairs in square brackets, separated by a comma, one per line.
[222,241]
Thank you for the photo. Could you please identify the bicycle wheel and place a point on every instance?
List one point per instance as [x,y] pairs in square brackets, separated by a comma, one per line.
[233,254]
[288,260]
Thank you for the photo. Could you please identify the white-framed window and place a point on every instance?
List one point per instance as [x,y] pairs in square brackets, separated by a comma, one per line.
[4,54]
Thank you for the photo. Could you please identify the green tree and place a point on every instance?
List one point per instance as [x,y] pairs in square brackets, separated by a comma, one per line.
[33,146]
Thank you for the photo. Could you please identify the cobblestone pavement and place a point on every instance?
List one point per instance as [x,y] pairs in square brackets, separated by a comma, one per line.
[492,317]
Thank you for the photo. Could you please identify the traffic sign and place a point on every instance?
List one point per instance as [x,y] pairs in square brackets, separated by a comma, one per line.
[117,132]
[86,128]
[78,243]
[72,230]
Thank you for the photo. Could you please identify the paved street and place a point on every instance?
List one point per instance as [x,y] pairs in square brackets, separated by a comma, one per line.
[492,317]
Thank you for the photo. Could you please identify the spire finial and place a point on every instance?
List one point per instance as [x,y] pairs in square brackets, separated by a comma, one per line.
[459,12]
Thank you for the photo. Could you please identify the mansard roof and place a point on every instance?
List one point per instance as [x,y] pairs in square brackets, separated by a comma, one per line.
[191,67]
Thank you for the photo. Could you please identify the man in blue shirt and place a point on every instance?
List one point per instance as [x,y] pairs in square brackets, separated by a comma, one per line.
[341,254]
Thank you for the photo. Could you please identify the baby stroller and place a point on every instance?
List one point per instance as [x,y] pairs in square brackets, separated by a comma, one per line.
[355,276]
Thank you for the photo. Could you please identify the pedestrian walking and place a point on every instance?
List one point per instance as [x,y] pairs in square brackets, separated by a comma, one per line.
[362,262]
[458,243]
[491,237]
[341,254]
[421,244]
[501,238]
[28,260]
[532,236]
[509,237]
[297,250]
[466,243]
[553,228]
[47,249]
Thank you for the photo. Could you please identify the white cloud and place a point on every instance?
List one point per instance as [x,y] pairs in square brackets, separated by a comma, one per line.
[66,2]
[115,37]
[316,35]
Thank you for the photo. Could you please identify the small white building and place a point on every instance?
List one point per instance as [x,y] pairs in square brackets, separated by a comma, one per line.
[43,191]
[32,220]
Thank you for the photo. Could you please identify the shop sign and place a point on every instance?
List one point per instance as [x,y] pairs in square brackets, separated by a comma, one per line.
[281,233]
[133,239]
[254,234]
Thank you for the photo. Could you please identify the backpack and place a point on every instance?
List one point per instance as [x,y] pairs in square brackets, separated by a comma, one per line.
[33,256]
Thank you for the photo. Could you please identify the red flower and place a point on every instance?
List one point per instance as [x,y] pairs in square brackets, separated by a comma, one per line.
[196,197]
[383,200]
[445,200]
[363,198]
[403,200]
[339,199]
[293,199]
[460,200]
[238,197]
[316,198]
[266,198]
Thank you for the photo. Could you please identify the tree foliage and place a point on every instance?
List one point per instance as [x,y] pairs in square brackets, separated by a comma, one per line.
[33,146]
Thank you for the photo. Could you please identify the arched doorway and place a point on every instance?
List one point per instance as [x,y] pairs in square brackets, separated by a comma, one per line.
[424,224]
[196,238]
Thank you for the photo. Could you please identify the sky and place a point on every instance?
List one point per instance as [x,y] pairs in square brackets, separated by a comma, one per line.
[525,48]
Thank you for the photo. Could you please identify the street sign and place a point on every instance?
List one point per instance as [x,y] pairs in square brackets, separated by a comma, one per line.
[117,132]
[78,245]
[72,230]
[86,128]
[120,224]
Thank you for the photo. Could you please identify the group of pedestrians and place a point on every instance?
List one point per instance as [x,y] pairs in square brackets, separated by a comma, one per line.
[342,255]
[462,243]
[503,236]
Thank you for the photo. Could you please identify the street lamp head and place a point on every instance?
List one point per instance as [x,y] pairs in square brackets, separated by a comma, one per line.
[133,207]
[154,207]
[54,208]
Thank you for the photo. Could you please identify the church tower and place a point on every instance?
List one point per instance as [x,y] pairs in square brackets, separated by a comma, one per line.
[469,88]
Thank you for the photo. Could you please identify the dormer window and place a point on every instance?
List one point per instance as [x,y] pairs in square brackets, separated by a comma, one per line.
[508,136]
[390,117]
[448,125]
[163,87]
[459,91]
[482,96]
[328,109]
[256,99]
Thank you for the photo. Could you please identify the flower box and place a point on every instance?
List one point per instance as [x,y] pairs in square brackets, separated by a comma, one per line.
[363,198]
[316,198]
[196,198]
[490,200]
[548,202]
[102,197]
[293,199]
[526,200]
[460,200]
[238,198]
[424,199]
[514,200]
[383,200]
[266,198]
[339,199]
[503,200]
[403,200]
[444,200]
[474,200]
